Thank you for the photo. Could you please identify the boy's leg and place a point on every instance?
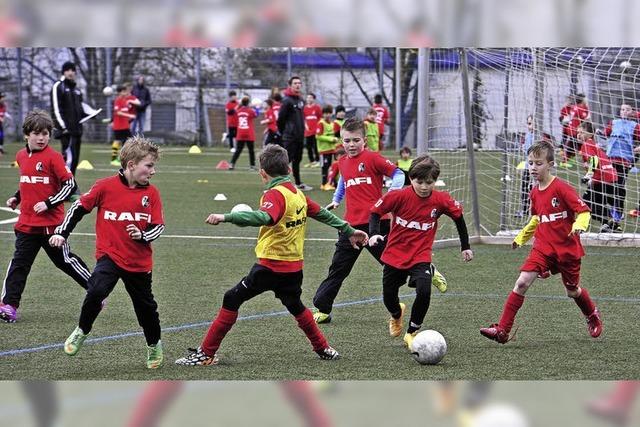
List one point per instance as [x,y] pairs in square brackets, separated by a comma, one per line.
[305,401]
[101,283]
[153,403]
[343,260]
[68,262]
[138,285]
[27,247]
[570,272]
[616,406]
[236,153]
[252,155]
[420,278]
[392,280]
[74,147]
[288,289]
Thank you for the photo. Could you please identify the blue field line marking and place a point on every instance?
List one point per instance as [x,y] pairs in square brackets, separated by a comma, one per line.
[283,313]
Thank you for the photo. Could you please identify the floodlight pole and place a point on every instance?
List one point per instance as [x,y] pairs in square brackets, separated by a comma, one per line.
[398,100]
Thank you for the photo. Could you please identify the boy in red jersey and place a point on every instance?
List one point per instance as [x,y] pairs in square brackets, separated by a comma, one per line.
[312,114]
[129,218]
[415,211]
[282,219]
[382,118]
[558,218]
[361,178]
[246,133]
[230,109]
[600,178]
[271,120]
[123,113]
[45,182]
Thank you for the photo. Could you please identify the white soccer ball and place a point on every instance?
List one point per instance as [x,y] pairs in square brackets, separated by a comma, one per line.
[500,415]
[428,347]
[241,207]
[107,91]
[625,64]
[256,103]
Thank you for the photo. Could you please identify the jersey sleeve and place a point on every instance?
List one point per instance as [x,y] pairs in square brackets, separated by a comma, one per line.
[273,203]
[312,207]
[533,204]
[384,165]
[451,207]
[93,197]
[572,199]
[59,168]
[387,203]
[157,213]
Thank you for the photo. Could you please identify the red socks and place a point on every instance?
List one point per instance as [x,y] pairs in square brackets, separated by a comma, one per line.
[511,306]
[303,398]
[311,330]
[584,302]
[219,327]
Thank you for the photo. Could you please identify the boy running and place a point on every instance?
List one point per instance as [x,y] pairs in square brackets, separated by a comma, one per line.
[282,220]
[558,218]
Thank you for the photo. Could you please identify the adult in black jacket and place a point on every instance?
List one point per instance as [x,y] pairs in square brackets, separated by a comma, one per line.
[141,92]
[291,127]
[66,111]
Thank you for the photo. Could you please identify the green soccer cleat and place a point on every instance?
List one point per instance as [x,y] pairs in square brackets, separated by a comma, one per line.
[320,317]
[154,356]
[74,342]
[438,280]
[115,162]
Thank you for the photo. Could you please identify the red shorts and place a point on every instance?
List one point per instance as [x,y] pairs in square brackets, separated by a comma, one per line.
[539,262]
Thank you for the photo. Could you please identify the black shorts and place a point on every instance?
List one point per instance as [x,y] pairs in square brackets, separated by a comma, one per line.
[121,135]
[392,276]
[261,279]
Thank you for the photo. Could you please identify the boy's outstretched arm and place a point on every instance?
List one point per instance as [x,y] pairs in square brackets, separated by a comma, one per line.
[243,219]
[463,234]
[526,233]
[71,219]
[374,229]
[581,223]
[357,238]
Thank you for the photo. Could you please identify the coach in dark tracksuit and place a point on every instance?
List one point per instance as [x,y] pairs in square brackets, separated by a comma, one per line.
[291,127]
[66,111]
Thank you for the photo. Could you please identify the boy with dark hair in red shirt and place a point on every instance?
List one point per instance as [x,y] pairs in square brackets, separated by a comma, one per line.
[246,133]
[129,218]
[558,218]
[45,182]
[230,110]
[415,209]
[123,114]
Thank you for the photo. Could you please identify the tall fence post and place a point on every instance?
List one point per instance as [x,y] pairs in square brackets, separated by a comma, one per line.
[398,100]
[19,112]
[108,82]
[507,142]
[198,109]
[421,120]
[464,66]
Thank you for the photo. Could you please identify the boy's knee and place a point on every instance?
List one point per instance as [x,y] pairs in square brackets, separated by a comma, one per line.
[521,286]
[573,291]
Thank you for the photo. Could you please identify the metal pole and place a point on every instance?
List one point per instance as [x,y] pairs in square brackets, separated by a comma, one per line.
[427,97]
[398,100]
[108,82]
[227,71]
[289,53]
[421,122]
[19,115]
[381,70]
[506,141]
[464,66]
[538,96]
[198,98]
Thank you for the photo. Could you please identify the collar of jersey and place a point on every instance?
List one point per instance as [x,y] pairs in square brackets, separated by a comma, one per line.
[123,179]
[31,151]
[277,181]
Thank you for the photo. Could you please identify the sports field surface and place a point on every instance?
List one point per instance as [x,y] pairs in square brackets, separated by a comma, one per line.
[196,263]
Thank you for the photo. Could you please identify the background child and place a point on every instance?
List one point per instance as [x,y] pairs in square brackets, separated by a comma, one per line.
[372,131]
[123,113]
[3,112]
[341,113]
[282,219]
[600,178]
[404,163]
[129,218]
[45,182]
[246,133]
[408,252]
[327,143]
[558,218]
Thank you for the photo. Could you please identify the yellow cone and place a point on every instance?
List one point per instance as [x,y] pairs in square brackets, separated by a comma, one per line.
[195,150]
[521,166]
[85,165]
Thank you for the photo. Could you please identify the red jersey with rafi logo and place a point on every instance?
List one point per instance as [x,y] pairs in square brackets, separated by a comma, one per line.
[41,176]
[415,221]
[118,206]
[121,104]
[577,114]
[605,172]
[246,131]
[557,207]
[231,109]
[312,113]
[363,178]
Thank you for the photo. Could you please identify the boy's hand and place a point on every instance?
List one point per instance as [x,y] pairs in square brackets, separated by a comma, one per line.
[134,232]
[467,255]
[40,207]
[575,232]
[358,238]
[57,241]
[375,239]
[514,245]
[12,202]
[331,206]
[214,219]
